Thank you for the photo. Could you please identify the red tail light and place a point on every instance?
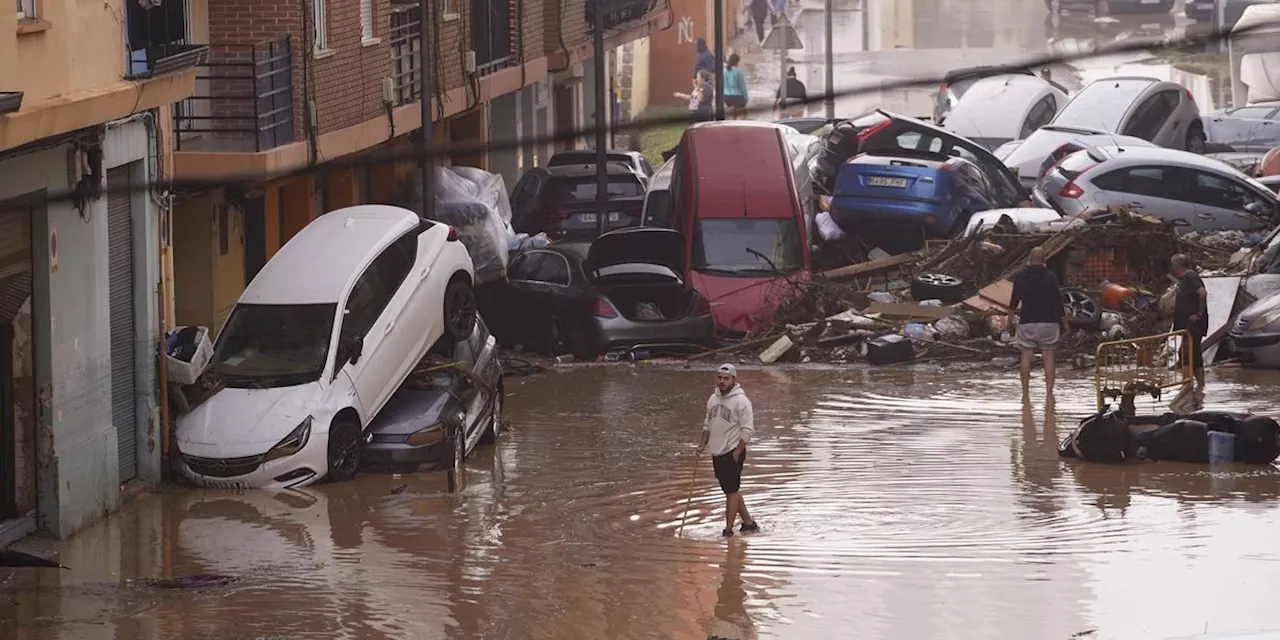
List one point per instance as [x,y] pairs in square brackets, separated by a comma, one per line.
[929,218]
[1191,96]
[704,306]
[453,235]
[602,309]
[560,214]
[942,87]
[948,165]
[1071,191]
[873,129]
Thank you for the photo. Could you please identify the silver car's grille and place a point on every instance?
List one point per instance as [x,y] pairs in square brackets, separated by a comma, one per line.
[223,467]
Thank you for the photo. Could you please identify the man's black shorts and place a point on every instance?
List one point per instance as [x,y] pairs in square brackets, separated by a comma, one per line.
[1197,353]
[728,472]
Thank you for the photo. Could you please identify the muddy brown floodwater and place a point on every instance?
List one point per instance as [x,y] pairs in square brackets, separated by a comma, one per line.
[894,504]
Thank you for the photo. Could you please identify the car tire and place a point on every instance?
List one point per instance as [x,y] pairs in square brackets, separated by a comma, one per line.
[566,338]
[459,310]
[457,449]
[937,286]
[1196,141]
[344,449]
[494,431]
[1082,310]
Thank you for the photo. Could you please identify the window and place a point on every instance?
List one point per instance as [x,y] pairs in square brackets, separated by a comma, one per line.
[1149,117]
[1217,191]
[914,141]
[1039,116]
[273,345]
[319,25]
[1157,182]
[553,269]
[26,9]
[377,285]
[569,190]
[524,266]
[734,246]
[1257,113]
[644,164]
[366,20]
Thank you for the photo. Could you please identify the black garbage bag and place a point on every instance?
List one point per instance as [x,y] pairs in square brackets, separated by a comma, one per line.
[838,145]
[1257,440]
[1103,437]
[1182,440]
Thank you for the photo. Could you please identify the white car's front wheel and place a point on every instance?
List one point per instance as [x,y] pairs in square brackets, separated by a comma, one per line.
[344,449]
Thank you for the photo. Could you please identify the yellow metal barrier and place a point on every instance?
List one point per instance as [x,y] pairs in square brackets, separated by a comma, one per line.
[1144,365]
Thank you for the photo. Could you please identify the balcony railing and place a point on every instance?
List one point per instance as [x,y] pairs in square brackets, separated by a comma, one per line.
[157,40]
[495,35]
[243,100]
[617,13]
[406,53]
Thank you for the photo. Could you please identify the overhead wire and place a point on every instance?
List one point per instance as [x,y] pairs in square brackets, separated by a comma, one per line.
[471,148]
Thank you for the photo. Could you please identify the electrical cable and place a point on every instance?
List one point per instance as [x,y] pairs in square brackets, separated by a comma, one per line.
[474,148]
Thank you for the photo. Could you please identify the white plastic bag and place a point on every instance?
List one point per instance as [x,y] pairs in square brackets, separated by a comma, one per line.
[183,372]
[827,227]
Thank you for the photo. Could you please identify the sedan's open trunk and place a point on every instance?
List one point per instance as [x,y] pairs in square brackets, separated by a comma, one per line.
[650,303]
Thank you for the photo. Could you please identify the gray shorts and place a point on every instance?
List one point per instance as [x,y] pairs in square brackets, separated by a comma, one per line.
[1038,335]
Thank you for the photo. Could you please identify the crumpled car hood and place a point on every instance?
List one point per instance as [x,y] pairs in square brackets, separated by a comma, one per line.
[245,422]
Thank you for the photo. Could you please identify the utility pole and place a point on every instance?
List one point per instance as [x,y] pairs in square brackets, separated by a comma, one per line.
[718,14]
[424,103]
[830,100]
[602,166]
[866,25]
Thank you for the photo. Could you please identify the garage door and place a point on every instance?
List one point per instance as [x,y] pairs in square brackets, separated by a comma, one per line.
[120,292]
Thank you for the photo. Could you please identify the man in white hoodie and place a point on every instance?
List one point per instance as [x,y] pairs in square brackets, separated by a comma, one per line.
[725,433]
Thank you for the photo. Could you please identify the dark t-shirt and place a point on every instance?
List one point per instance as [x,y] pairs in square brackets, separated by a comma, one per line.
[1035,288]
[1187,303]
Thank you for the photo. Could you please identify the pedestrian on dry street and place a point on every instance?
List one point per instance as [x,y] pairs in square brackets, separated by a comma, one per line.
[726,431]
[1191,312]
[1037,299]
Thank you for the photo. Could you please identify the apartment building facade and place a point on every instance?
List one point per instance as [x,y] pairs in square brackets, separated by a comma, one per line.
[84,94]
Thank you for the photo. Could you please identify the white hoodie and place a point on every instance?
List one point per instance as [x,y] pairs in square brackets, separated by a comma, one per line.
[729,421]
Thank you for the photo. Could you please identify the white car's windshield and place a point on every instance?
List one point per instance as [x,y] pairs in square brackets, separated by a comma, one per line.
[274,345]
[747,246]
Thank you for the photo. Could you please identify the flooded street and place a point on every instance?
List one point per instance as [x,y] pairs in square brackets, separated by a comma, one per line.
[894,504]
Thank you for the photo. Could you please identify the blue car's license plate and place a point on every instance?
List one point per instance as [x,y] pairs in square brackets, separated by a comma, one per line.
[880,181]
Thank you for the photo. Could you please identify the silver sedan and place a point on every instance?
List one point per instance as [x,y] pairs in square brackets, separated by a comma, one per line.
[1192,191]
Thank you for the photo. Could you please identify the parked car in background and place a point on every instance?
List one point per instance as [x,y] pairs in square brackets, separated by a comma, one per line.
[441,413]
[1207,10]
[1251,129]
[623,290]
[1161,112]
[1200,194]
[736,200]
[1246,163]
[958,81]
[998,109]
[1256,333]
[657,209]
[884,133]
[317,344]
[1030,158]
[898,198]
[561,201]
[587,158]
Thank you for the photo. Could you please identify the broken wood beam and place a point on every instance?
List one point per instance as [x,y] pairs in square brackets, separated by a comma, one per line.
[873,266]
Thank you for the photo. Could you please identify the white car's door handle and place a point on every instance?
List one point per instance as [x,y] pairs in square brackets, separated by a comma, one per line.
[1135,205]
[389,325]
[1206,216]
[422,275]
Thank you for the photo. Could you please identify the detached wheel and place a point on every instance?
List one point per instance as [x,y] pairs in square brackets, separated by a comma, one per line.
[494,431]
[1081,309]
[1196,140]
[459,310]
[344,449]
[937,286]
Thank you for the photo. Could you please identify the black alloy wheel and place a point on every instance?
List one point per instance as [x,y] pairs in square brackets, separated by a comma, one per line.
[344,449]
[459,310]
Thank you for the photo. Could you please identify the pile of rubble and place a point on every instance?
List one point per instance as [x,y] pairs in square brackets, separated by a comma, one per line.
[949,300]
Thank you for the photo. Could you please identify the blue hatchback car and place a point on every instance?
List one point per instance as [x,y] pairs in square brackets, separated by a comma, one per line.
[900,193]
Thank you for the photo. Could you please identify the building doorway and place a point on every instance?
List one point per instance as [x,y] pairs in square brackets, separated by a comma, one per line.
[17,366]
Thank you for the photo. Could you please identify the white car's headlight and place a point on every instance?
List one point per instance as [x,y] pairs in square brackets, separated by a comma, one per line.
[292,443]
[1265,319]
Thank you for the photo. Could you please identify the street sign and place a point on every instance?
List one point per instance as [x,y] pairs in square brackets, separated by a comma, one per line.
[783,36]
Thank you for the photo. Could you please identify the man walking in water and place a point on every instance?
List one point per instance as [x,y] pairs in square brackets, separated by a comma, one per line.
[726,431]
[1038,302]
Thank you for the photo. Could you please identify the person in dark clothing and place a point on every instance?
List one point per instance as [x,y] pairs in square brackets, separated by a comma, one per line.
[705,60]
[1038,301]
[1191,312]
[702,100]
[759,14]
[792,105]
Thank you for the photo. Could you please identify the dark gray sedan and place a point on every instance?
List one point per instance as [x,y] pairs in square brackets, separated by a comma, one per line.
[451,403]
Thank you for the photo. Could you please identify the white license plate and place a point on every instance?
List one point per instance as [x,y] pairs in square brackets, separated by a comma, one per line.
[879,181]
[591,217]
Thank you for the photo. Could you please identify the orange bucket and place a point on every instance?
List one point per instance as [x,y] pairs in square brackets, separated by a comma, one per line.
[1115,296]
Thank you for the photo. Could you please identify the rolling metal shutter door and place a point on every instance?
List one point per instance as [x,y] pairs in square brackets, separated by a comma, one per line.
[15,262]
[120,294]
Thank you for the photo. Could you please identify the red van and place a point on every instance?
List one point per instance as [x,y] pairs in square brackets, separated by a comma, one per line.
[734,197]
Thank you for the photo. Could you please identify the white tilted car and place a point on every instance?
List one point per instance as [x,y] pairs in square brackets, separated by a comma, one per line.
[318,342]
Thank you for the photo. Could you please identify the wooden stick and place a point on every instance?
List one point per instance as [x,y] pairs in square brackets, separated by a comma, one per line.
[733,347]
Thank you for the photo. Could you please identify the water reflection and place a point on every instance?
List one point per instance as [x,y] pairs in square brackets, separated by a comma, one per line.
[895,503]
